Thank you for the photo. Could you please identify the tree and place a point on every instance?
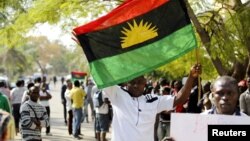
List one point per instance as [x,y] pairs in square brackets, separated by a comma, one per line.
[12,56]
[224,34]
[222,29]
[18,21]
[50,57]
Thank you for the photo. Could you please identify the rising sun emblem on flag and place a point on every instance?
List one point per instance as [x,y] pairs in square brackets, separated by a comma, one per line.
[138,33]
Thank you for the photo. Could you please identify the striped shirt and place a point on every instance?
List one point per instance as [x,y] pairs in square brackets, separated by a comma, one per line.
[28,127]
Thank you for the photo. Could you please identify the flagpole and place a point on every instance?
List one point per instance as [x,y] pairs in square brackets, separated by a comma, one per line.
[199,80]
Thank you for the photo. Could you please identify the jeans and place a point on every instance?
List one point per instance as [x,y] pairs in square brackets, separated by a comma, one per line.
[163,130]
[77,116]
[70,120]
[48,112]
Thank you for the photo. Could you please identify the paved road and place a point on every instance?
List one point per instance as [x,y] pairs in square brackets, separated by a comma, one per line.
[58,128]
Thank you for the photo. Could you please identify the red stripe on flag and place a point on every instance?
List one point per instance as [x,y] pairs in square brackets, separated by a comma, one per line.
[126,11]
[78,73]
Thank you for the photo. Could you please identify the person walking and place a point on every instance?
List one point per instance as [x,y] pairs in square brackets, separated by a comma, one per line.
[33,116]
[63,99]
[4,89]
[101,104]
[69,105]
[77,95]
[44,98]
[17,95]
[89,100]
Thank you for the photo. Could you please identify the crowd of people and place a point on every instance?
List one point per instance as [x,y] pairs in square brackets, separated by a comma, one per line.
[25,110]
[76,97]
[138,110]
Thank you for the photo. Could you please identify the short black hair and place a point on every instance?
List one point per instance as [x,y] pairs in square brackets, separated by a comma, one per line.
[2,83]
[164,81]
[76,83]
[19,83]
[38,80]
[30,85]
[167,89]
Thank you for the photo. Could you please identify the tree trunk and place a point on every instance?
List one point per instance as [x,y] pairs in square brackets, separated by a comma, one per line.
[239,69]
[40,66]
[244,68]
[205,40]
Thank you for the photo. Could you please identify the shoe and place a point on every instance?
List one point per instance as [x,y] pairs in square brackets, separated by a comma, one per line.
[77,137]
[49,134]
[81,134]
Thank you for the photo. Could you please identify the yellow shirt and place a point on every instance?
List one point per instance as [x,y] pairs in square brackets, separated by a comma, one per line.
[77,95]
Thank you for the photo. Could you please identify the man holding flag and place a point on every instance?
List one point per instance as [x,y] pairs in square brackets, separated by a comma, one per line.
[134,113]
[135,38]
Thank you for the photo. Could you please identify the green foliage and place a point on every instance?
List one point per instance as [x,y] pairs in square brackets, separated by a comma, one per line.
[181,67]
[227,24]
[12,56]
[78,61]
[227,28]
[69,12]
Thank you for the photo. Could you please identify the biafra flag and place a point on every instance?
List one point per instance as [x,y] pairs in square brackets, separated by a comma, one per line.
[135,38]
[75,75]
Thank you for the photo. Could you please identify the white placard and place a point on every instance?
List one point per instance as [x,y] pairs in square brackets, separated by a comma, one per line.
[193,127]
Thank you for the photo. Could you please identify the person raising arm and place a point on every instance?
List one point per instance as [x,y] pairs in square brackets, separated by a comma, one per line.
[134,113]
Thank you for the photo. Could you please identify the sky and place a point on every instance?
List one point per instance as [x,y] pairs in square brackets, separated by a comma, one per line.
[53,33]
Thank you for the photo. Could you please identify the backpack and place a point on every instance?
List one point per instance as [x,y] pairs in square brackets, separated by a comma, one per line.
[97,100]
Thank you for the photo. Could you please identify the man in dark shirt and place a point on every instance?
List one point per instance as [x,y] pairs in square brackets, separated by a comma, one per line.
[63,89]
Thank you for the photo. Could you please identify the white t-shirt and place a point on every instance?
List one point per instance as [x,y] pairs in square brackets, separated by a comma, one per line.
[17,95]
[45,103]
[134,118]
[104,109]
[68,100]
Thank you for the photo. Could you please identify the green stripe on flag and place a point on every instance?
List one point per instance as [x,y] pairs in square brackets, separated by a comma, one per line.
[110,71]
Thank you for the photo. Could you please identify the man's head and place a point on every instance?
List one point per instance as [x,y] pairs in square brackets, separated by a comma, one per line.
[76,83]
[206,87]
[19,83]
[225,92]
[69,84]
[31,84]
[34,92]
[136,86]
[2,83]
[164,82]
[178,85]
[166,91]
